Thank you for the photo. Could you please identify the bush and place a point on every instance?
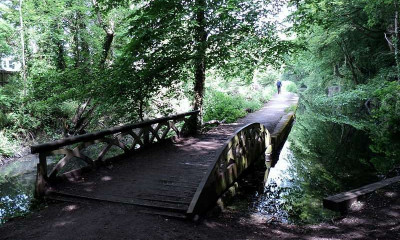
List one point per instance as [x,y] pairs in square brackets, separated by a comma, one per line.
[4,121]
[7,146]
[231,106]
[267,93]
[384,126]
[291,87]
[267,77]
[219,106]
[233,99]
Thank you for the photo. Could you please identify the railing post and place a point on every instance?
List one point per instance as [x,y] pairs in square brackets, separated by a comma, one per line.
[192,124]
[146,136]
[41,177]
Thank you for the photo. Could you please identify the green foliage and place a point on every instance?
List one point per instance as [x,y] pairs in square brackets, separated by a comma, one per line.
[146,71]
[234,99]
[267,78]
[290,87]
[385,126]
[7,145]
[6,31]
[351,54]
[164,46]
[16,114]
[292,108]
[220,106]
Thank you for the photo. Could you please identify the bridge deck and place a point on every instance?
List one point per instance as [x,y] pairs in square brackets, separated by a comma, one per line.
[166,176]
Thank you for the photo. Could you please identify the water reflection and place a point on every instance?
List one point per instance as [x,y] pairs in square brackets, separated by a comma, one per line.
[16,187]
[294,188]
[283,197]
[277,181]
[298,201]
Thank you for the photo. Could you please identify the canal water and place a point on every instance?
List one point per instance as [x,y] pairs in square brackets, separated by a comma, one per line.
[315,162]
[17,186]
[292,191]
[283,196]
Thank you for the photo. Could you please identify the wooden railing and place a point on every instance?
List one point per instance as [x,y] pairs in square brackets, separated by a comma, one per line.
[249,144]
[123,139]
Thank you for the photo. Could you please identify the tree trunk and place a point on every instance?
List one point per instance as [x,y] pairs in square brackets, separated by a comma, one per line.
[108,39]
[396,40]
[200,57]
[60,60]
[81,50]
[336,71]
[81,119]
[85,52]
[60,56]
[349,61]
[141,114]
[76,42]
[21,22]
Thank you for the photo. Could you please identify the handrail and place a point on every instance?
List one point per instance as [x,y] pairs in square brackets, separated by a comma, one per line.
[145,134]
[248,144]
[49,146]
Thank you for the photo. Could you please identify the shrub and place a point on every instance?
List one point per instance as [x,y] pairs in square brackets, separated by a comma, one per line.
[219,106]
[267,93]
[291,87]
[268,77]
[4,121]
[7,146]
[231,106]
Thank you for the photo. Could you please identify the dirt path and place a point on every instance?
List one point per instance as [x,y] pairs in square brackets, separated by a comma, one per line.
[379,219]
[98,220]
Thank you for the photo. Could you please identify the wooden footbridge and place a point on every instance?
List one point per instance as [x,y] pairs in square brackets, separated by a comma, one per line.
[161,165]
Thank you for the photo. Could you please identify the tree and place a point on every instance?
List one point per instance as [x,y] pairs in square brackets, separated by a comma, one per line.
[5,31]
[174,37]
[22,37]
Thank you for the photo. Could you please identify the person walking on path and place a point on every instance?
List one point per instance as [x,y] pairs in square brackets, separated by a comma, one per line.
[279,85]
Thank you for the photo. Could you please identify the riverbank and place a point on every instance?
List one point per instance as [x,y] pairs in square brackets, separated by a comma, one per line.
[22,152]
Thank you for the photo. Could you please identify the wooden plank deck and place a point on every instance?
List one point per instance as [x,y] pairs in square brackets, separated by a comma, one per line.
[165,178]
[342,201]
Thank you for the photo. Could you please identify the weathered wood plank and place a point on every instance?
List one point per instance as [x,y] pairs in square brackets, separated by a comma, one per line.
[118,199]
[240,151]
[100,134]
[342,201]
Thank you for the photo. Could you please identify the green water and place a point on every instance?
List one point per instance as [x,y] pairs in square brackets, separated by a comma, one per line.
[16,187]
[319,159]
[286,196]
